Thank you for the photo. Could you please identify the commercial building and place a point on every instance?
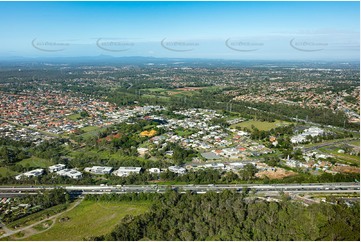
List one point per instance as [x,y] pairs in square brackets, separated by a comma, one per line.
[126,171]
[154,170]
[33,173]
[57,167]
[99,170]
[177,169]
[72,173]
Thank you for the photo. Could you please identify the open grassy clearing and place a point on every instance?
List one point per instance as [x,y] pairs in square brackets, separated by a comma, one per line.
[90,128]
[90,219]
[92,131]
[44,225]
[74,116]
[155,96]
[36,162]
[355,142]
[35,217]
[345,158]
[155,89]
[5,172]
[328,143]
[184,133]
[261,125]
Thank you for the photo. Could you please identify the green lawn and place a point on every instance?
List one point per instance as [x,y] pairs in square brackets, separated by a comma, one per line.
[155,90]
[90,128]
[184,133]
[4,172]
[345,158]
[36,162]
[74,116]
[260,125]
[91,219]
[155,96]
[355,142]
[35,217]
[91,131]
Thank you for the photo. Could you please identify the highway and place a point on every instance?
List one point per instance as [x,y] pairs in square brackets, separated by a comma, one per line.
[257,188]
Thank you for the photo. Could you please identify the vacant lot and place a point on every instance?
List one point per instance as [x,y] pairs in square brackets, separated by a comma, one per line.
[346,169]
[279,173]
[90,219]
[260,125]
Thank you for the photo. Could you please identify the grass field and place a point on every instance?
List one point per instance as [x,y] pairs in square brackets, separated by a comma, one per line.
[155,96]
[36,162]
[91,131]
[184,133]
[91,219]
[44,225]
[90,128]
[355,142]
[74,116]
[260,125]
[155,90]
[4,172]
[35,217]
[346,158]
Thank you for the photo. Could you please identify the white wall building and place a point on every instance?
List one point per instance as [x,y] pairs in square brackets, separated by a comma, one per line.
[154,170]
[99,170]
[36,172]
[56,167]
[143,151]
[312,131]
[72,173]
[126,171]
[177,169]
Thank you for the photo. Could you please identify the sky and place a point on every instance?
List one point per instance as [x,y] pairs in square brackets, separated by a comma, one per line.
[225,30]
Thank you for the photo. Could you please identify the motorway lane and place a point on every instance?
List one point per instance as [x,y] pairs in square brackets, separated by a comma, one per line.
[295,188]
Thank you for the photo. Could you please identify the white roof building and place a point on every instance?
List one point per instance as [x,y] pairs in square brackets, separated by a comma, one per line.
[312,131]
[56,167]
[36,172]
[214,165]
[235,165]
[72,173]
[154,170]
[142,151]
[126,171]
[177,169]
[99,170]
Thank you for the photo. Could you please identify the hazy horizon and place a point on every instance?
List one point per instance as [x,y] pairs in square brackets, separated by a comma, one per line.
[299,31]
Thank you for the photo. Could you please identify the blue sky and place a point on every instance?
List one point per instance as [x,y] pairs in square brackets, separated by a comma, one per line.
[252,30]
